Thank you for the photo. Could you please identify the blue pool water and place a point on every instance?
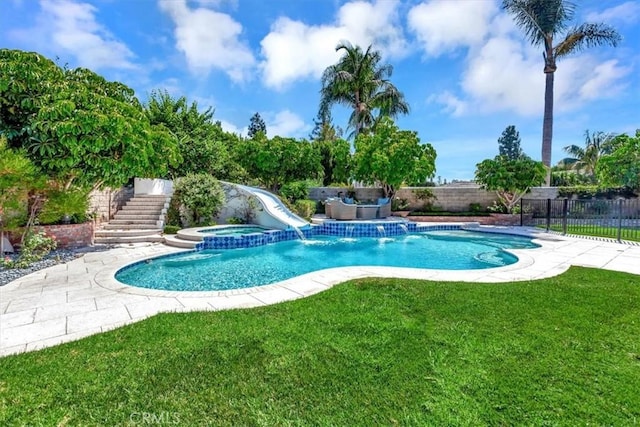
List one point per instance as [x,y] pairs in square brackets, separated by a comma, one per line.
[242,268]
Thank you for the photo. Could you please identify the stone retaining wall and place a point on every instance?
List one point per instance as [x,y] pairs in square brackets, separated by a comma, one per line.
[67,235]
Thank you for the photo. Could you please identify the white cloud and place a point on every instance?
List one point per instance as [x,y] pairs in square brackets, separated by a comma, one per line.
[627,13]
[230,127]
[443,25]
[209,40]
[503,72]
[71,26]
[285,124]
[294,50]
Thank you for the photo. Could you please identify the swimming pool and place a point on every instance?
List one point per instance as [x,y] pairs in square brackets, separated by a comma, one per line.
[247,267]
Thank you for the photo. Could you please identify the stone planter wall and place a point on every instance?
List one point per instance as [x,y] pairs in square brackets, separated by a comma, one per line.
[67,235]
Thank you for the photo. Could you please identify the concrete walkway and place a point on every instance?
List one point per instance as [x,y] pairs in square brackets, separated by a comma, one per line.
[70,301]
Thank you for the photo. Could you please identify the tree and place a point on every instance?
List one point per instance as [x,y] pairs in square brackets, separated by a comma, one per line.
[542,21]
[390,156]
[201,197]
[509,143]
[358,81]
[511,179]
[17,174]
[585,159]
[622,166]
[78,128]
[274,162]
[256,124]
[334,152]
[204,147]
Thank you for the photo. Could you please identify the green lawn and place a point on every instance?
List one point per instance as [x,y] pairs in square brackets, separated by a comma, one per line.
[559,351]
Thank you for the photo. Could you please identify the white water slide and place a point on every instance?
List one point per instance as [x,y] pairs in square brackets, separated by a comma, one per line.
[274,210]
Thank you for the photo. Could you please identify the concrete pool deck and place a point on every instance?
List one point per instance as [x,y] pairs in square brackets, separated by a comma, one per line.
[70,301]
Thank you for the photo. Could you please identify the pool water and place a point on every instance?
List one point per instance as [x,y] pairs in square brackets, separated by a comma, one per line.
[242,268]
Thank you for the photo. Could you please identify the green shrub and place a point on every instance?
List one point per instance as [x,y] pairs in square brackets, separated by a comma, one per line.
[399,204]
[235,220]
[200,197]
[305,208]
[294,191]
[171,229]
[65,206]
[35,246]
[475,207]
[173,212]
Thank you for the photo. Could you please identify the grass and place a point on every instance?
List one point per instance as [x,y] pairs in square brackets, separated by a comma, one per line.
[596,231]
[559,351]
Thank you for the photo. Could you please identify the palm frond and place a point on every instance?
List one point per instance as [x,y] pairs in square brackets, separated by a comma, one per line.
[585,36]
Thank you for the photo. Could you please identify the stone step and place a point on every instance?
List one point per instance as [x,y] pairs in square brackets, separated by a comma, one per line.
[150,197]
[132,217]
[146,202]
[138,211]
[127,233]
[156,238]
[144,205]
[172,240]
[126,226]
[143,223]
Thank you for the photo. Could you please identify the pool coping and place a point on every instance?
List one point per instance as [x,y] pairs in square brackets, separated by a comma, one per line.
[80,298]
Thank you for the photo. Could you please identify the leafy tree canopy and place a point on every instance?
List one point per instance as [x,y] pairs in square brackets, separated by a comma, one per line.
[202,143]
[509,143]
[391,156]
[77,127]
[274,162]
[511,179]
[256,124]
[335,152]
[622,166]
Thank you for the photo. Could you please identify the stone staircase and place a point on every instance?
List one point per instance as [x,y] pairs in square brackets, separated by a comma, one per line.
[141,219]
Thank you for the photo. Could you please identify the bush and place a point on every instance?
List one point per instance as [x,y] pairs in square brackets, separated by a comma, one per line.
[200,197]
[399,204]
[65,206]
[34,247]
[173,212]
[294,191]
[235,220]
[305,208]
[475,207]
[171,229]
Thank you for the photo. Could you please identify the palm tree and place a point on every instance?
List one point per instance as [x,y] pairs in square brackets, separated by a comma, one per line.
[360,82]
[585,159]
[541,21]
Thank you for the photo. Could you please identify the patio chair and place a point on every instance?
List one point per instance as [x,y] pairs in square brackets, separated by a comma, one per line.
[327,206]
[384,209]
[343,211]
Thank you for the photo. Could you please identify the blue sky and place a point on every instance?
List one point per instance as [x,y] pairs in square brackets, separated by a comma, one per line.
[464,68]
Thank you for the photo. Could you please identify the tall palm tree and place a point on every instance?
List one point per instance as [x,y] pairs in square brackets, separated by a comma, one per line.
[585,159]
[360,82]
[541,21]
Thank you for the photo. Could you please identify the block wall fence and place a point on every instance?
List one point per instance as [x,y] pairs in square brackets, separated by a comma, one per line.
[453,199]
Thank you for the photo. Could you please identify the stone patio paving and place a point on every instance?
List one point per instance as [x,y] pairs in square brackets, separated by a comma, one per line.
[70,301]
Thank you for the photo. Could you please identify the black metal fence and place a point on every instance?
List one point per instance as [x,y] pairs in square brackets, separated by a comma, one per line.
[616,219]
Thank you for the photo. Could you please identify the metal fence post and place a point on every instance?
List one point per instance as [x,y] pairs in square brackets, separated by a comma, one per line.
[521,216]
[565,213]
[619,220]
[548,214]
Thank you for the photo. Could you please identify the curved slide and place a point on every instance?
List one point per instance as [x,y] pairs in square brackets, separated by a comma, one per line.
[275,209]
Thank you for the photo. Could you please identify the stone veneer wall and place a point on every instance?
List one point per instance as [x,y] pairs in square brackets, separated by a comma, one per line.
[67,235]
[105,203]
